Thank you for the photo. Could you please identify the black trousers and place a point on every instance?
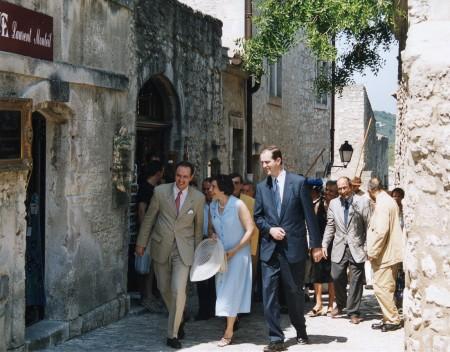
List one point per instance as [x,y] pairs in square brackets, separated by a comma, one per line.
[206,291]
[291,276]
[340,279]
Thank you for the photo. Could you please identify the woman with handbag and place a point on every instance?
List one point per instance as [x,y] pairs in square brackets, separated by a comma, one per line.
[233,225]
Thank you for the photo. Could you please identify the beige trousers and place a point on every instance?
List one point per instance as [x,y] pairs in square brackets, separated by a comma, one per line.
[172,277]
[384,289]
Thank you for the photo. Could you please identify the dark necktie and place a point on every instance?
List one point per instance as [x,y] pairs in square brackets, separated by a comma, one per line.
[346,207]
[277,196]
[178,201]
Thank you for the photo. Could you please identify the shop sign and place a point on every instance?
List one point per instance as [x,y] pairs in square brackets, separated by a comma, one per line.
[25,32]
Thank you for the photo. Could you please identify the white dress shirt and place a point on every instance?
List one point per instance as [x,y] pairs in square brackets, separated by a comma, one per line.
[184,193]
[281,181]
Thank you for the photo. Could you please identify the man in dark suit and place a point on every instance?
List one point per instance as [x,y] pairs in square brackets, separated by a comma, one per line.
[282,206]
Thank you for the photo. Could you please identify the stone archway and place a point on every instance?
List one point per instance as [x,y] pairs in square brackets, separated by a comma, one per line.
[157,137]
[158,113]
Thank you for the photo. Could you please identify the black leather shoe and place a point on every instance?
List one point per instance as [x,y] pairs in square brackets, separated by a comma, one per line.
[302,340]
[275,346]
[390,327]
[181,333]
[377,326]
[174,343]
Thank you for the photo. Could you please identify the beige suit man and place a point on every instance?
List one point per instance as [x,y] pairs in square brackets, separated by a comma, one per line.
[173,234]
[385,252]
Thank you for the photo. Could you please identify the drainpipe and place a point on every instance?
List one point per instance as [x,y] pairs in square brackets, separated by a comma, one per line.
[251,89]
[332,111]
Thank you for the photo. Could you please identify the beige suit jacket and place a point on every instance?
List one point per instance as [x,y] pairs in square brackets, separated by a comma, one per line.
[354,234]
[384,237]
[162,226]
[254,240]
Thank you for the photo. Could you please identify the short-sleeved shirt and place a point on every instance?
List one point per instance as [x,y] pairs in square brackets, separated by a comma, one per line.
[145,193]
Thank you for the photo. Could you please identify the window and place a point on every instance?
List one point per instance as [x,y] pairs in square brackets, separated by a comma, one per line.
[16,132]
[321,73]
[275,79]
[150,103]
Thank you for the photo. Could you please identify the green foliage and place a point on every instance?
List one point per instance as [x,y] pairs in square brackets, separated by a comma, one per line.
[361,25]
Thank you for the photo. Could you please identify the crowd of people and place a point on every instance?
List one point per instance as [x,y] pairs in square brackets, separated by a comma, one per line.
[284,235]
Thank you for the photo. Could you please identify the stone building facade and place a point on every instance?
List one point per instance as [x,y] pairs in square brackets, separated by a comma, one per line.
[285,110]
[180,54]
[79,102]
[289,113]
[354,118]
[234,82]
[126,81]
[423,169]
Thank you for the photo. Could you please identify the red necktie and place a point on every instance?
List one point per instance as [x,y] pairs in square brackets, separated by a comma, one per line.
[177,201]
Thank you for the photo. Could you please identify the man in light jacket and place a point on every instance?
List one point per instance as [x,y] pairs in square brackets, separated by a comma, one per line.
[385,252]
[347,220]
[173,226]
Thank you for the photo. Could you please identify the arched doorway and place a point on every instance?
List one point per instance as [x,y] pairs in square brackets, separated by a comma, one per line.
[157,112]
[35,233]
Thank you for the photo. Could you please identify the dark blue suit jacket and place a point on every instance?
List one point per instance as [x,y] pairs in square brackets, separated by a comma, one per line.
[296,208]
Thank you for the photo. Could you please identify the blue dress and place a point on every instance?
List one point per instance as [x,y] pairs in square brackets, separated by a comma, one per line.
[234,287]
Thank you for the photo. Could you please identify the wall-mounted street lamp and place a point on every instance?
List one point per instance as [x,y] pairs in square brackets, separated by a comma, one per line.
[345,152]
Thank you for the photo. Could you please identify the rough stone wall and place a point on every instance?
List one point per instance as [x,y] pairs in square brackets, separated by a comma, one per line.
[86,227]
[353,114]
[87,223]
[296,123]
[425,159]
[231,13]
[12,255]
[184,46]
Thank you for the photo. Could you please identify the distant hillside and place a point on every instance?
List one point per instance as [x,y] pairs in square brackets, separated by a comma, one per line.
[386,127]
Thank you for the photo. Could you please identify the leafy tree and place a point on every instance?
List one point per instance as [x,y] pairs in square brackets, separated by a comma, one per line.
[363,26]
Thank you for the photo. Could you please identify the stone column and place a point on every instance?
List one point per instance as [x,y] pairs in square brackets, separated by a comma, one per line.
[425,175]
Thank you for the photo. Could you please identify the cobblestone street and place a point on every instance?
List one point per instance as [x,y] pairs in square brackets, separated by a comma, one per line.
[147,332]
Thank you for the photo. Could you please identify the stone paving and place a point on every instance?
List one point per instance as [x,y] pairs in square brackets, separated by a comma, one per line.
[147,332]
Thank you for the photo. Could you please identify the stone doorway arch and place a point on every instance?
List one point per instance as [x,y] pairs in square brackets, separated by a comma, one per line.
[157,137]
[158,115]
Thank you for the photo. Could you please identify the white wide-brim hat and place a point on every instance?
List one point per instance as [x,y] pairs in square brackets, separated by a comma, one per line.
[209,259]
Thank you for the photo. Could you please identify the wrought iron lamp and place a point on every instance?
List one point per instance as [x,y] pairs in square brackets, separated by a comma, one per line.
[345,152]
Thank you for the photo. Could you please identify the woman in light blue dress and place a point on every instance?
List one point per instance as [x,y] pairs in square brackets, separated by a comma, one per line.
[233,225]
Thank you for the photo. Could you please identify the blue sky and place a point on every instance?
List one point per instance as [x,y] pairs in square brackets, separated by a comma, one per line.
[380,88]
